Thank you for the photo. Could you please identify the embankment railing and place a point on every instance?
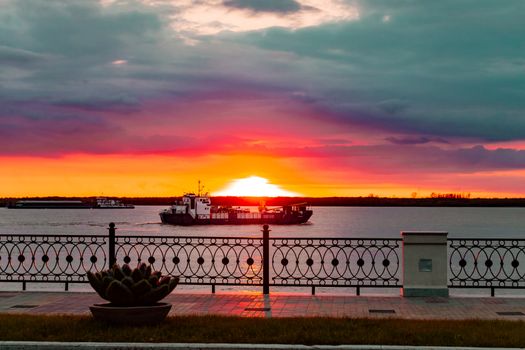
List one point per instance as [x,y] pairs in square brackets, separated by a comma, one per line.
[486,263]
[51,258]
[336,262]
[254,261]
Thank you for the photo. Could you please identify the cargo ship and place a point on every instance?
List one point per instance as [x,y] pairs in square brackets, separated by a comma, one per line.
[195,209]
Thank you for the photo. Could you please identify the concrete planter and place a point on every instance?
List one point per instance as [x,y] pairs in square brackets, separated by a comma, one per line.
[130,315]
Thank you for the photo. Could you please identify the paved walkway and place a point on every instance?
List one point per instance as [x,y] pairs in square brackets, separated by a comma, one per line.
[283,305]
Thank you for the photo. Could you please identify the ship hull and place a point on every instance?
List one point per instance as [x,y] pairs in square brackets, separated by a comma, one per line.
[130,207]
[51,207]
[234,219]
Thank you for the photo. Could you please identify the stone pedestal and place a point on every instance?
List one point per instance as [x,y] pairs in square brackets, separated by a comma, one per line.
[425,264]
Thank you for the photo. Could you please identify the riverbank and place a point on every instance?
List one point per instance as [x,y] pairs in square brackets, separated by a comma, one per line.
[314,201]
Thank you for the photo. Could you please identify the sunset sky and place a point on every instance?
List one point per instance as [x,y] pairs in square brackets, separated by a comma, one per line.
[318,97]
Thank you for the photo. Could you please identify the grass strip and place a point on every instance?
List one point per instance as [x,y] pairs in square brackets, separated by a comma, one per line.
[309,331]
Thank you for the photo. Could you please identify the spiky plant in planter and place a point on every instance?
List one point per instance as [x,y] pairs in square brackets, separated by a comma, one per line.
[123,286]
[131,293]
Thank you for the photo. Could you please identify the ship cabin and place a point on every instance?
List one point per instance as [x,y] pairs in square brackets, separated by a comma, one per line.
[194,205]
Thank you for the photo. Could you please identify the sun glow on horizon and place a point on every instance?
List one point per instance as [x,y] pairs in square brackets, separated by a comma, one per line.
[254,186]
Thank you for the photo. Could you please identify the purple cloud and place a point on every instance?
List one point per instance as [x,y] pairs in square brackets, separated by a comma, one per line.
[414,140]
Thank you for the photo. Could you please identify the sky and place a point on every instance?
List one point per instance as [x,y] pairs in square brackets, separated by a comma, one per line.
[314,97]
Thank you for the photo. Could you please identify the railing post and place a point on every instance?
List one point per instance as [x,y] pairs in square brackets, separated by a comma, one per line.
[266,259]
[111,242]
[425,264]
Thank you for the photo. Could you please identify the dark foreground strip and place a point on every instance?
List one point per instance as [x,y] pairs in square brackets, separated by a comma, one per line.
[14,345]
[436,301]
[23,306]
[510,313]
[7,295]
[379,311]
[257,309]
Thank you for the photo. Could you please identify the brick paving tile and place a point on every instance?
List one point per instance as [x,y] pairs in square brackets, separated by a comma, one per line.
[281,305]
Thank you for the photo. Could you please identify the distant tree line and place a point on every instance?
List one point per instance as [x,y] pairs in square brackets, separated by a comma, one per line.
[450,195]
[435,200]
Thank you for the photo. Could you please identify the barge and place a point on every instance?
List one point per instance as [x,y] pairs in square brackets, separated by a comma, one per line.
[101,203]
[193,209]
[49,204]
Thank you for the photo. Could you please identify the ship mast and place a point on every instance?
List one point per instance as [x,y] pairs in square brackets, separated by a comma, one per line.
[201,192]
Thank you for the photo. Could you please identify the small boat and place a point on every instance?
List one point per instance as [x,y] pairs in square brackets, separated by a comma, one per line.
[195,209]
[104,203]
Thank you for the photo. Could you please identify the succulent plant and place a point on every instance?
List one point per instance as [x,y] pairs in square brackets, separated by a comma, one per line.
[123,286]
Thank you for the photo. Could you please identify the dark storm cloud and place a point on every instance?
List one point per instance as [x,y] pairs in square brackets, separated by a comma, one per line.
[54,134]
[115,103]
[447,69]
[60,54]
[72,28]
[393,106]
[18,57]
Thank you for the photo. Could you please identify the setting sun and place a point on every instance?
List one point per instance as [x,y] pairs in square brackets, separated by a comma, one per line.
[254,186]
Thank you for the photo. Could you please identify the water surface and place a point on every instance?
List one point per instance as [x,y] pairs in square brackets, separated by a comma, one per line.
[368,222]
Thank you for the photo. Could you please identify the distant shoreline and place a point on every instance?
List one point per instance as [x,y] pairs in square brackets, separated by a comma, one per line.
[314,201]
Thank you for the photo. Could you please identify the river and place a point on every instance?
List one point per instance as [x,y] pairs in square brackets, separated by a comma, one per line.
[340,222]
[370,222]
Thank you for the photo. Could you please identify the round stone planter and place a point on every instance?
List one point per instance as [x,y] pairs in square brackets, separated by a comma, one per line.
[130,315]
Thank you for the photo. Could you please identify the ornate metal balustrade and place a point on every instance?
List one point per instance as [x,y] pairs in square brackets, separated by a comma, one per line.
[256,261]
[50,258]
[197,260]
[259,261]
[487,263]
[334,262]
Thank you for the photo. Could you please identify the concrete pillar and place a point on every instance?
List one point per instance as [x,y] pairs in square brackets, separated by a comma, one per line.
[425,264]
